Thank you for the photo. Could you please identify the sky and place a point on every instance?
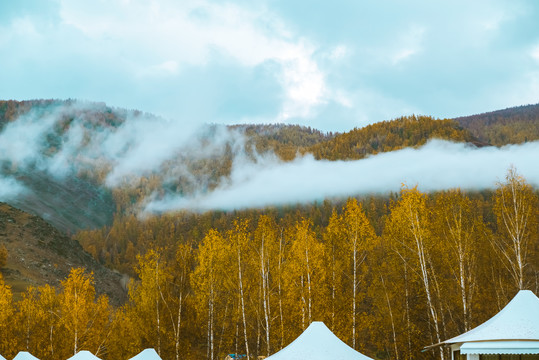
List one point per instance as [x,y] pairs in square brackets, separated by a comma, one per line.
[328,65]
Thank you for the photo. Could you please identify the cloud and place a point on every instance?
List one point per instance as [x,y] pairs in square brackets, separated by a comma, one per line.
[10,189]
[317,64]
[438,165]
[139,145]
[172,36]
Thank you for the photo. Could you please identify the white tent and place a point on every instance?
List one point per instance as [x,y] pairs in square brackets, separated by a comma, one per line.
[2,358]
[317,342]
[84,355]
[514,330]
[25,355]
[147,354]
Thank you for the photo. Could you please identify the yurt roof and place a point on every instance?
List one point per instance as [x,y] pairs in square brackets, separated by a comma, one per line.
[147,354]
[518,320]
[317,342]
[84,355]
[25,355]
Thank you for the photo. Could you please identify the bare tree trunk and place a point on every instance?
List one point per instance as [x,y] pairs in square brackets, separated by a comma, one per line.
[178,325]
[303,303]
[158,318]
[354,290]
[422,256]
[265,294]
[309,284]
[394,333]
[280,288]
[408,323]
[240,281]
[333,285]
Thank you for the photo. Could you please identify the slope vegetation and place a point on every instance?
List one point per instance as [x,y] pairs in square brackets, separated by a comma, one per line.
[38,254]
[509,126]
[388,136]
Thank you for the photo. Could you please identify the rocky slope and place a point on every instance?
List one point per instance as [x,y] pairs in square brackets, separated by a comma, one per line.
[39,254]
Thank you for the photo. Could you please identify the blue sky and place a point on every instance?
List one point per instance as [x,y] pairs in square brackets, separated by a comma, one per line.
[329,65]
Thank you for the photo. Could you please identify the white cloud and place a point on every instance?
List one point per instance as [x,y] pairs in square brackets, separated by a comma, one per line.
[163,37]
[10,189]
[408,44]
[535,53]
[436,166]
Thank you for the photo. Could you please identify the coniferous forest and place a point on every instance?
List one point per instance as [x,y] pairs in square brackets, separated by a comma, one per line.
[388,275]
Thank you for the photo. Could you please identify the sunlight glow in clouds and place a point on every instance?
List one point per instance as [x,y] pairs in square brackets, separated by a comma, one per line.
[188,33]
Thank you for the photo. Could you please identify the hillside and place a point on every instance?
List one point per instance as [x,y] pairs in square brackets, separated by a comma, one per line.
[409,131]
[80,163]
[38,254]
[509,126]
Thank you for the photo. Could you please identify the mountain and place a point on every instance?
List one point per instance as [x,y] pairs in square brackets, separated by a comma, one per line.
[39,254]
[509,126]
[80,163]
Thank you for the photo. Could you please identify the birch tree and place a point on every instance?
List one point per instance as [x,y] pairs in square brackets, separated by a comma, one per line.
[266,241]
[212,268]
[516,209]
[460,229]
[239,239]
[84,318]
[305,271]
[408,227]
[359,236]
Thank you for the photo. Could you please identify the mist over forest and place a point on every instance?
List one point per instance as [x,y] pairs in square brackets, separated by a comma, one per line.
[394,234]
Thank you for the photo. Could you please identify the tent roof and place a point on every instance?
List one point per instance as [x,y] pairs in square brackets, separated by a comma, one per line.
[317,342]
[25,355]
[84,355]
[2,358]
[518,320]
[147,354]
[500,347]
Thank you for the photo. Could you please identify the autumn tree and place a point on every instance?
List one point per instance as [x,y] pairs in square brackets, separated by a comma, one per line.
[359,236]
[213,264]
[83,317]
[459,226]
[305,274]
[516,209]
[146,299]
[6,315]
[408,228]
[267,262]
[239,239]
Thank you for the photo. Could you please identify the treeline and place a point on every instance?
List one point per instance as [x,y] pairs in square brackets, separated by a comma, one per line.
[286,141]
[388,136]
[441,264]
[510,126]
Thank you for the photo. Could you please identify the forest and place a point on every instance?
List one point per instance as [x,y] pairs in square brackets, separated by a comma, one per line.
[388,275]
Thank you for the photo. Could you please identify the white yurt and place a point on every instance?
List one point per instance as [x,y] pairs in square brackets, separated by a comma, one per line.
[317,342]
[511,334]
[147,354]
[25,355]
[84,355]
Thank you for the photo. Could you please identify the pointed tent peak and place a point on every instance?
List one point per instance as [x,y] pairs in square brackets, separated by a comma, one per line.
[84,355]
[317,342]
[147,354]
[518,320]
[25,355]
